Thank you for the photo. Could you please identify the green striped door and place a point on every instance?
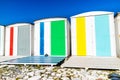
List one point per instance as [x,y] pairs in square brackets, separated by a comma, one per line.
[58,38]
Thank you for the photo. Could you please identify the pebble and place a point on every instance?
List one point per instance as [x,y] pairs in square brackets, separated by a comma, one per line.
[42,71]
[114,76]
[37,73]
[75,78]
[2,66]
[34,78]
[53,74]
[49,68]
[100,79]
[44,78]
[58,75]
[50,77]
[25,77]
[30,74]
[11,66]
[65,78]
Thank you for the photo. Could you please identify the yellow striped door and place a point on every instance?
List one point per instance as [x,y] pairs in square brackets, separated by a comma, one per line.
[81,36]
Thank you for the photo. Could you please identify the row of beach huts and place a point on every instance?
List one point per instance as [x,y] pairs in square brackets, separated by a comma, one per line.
[90,40]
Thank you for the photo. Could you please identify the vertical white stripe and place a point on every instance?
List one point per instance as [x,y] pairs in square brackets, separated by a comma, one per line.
[15,39]
[112,35]
[2,41]
[94,38]
[67,38]
[37,39]
[73,36]
[7,42]
[31,40]
[90,36]
[47,38]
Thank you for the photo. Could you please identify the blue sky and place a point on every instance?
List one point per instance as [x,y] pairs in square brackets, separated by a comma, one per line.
[14,11]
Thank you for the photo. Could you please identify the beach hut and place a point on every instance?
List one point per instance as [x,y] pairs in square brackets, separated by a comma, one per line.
[51,40]
[51,37]
[117,28]
[2,40]
[93,41]
[18,40]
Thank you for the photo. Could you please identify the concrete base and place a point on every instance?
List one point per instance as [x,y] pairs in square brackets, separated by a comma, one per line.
[92,62]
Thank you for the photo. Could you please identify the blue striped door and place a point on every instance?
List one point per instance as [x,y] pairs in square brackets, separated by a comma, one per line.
[102,30]
[41,38]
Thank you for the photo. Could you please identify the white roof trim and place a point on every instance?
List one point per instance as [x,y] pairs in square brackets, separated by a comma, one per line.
[49,19]
[18,24]
[92,13]
[1,26]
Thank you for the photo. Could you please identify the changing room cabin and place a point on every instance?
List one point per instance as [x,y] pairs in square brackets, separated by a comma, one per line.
[93,41]
[18,40]
[117,30]
[2,40]
[51,37]
[93,34]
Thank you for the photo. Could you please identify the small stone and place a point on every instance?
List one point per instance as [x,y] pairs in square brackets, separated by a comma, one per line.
[47,73]
[34,78]
[2,66]
[75,79]
[46,55]
[30,74]
[49,68]
[44,78]
[58,75]
[25,78]
[53,74]
[99,79]
[89,77]
[20,76]
[41,71]
[65,78]
[113,75]
[55,70]
[11,66]
[50,79]
[37,72]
